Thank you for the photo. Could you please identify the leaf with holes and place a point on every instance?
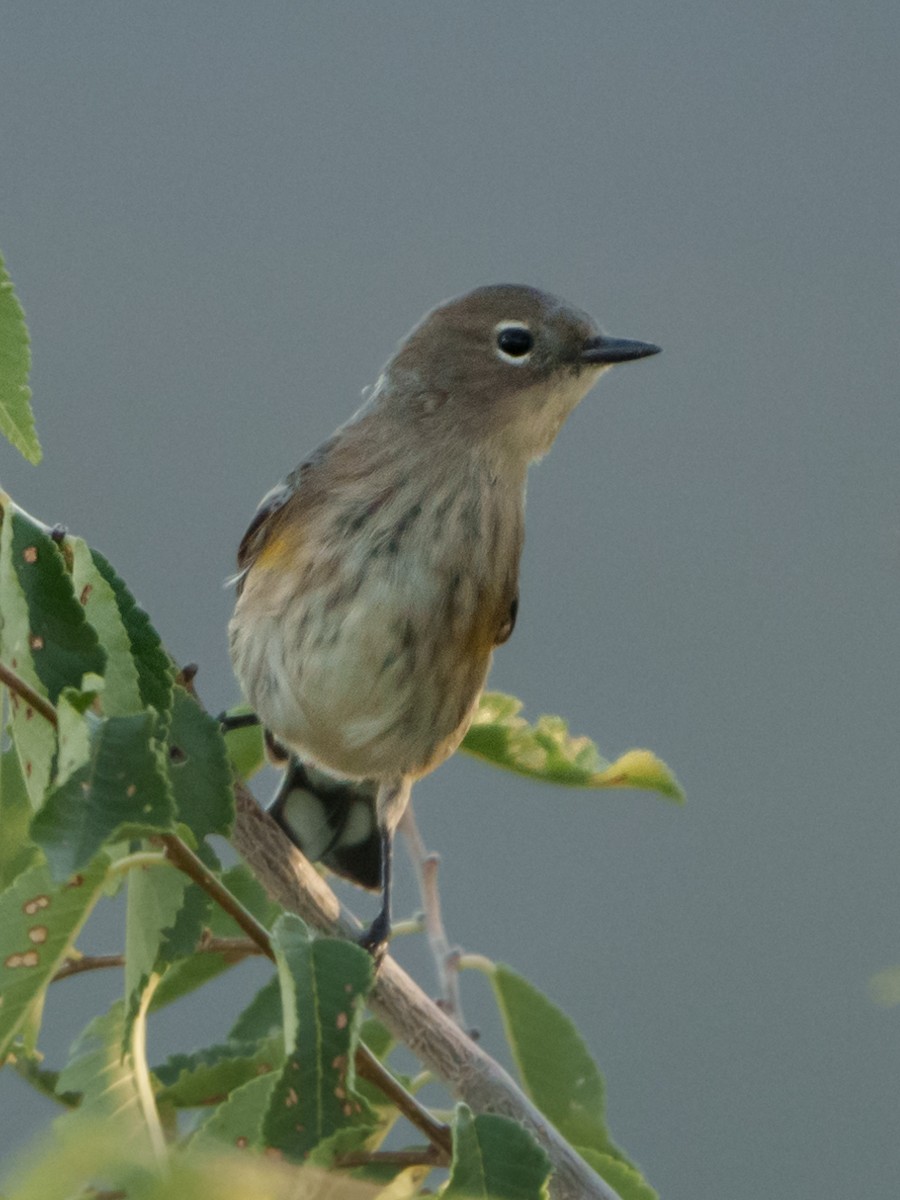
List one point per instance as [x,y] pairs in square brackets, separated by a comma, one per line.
[323,982]
[16,418]
[547,751]
[39,921]
[494,1158]
[199,771]
[121,791]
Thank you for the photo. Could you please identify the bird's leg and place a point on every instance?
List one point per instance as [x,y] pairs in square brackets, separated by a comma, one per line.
[377,936]
[392,799]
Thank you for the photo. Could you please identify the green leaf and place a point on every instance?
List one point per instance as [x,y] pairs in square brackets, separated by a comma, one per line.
[16,419]
[377,1037]
[165,930]
[121,791]
[155,672]
[553,1062]
[381,1042]
[34,738]
[57,639]
[193,970]
[262,1016]
[199,771]
[626,1179]
[105,607]
[155,897]
[246,888]
[495,1159]
[179,940]
[350,1139]
[238,1120]
[186,975]
[323,982]
[17,851]
[39,921]
[207,1076]
[245,745]
[30,1067]
[106,1080]
[548,752]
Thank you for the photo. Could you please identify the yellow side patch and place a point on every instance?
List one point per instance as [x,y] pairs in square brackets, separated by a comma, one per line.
[280,550]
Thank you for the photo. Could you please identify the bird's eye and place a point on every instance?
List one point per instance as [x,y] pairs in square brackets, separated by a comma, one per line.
[514,342]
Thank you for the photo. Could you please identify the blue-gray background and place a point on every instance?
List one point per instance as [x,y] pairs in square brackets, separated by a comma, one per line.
[221,217]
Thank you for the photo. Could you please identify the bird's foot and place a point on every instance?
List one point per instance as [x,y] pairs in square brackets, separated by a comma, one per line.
[377,937]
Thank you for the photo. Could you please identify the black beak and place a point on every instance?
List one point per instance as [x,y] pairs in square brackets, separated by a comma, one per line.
[601,350]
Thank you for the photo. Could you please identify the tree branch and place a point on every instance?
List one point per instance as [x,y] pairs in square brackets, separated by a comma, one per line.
[90,962]
[446,958]
[403,1007]
[231,949]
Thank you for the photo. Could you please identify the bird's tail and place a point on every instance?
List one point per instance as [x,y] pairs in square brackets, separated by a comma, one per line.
[331,821]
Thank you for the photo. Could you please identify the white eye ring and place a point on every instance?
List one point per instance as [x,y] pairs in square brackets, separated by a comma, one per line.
[514,342]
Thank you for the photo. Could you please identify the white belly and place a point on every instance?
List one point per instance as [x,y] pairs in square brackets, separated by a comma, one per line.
[370,688]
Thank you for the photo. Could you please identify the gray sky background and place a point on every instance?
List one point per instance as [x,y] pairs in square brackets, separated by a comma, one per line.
[221,218]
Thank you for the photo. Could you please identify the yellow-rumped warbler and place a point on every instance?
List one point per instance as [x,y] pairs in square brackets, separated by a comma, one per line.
[376,581]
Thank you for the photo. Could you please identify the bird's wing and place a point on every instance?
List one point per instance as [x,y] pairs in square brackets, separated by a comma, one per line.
[259,529]
[508,623]
[296,491]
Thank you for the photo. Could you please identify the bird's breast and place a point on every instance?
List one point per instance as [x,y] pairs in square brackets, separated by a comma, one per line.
[363,636]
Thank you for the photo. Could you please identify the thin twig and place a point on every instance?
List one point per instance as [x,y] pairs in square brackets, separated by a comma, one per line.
[90,962]
[187,861]
[233,950]
[26,692]
[140,858]
[446,959]
[428,1156]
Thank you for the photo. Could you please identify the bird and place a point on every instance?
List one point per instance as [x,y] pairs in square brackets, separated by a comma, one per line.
[375,582]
